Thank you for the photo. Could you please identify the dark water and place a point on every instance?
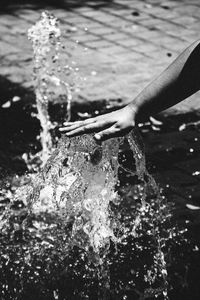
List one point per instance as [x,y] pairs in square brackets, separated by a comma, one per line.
[170,160]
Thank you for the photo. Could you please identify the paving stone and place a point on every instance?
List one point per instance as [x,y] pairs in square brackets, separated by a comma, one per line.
[29,15]
[121,12]
[185,20]
[116,36]
[145,34]
[163,57]
[6,48]
[88,25]
[91,13]
[112,50]
[194,26]
[151,21]
[21,42]
[85,38]
[171,15]
[148,35]
[99,44]
[130,43]
[146,48]
[188,9]
[169,27]
[140,17]
[8,19]
[7,70]
[20,57]
[190,167]
[102,30]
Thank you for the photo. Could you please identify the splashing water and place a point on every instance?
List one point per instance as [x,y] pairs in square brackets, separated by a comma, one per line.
[90,197]
[54,80]
[85,209]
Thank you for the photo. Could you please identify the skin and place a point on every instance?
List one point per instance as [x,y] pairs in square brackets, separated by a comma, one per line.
[179,81]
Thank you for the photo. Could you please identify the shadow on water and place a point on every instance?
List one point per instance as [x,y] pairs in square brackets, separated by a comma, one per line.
[12,5]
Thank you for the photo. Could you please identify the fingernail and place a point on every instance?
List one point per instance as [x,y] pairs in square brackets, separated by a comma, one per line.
[97,137]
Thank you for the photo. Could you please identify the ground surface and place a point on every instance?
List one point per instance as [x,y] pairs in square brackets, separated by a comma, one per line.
[119,47]
[128,42]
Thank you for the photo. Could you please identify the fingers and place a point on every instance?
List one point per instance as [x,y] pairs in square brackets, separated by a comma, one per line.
[107,133]
[91,125]
[87,126]
[67,124]
[70,126]
[94,127]
[111,132]
[90,120]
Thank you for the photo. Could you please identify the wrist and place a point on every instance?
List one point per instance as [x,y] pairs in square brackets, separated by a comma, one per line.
[135,111]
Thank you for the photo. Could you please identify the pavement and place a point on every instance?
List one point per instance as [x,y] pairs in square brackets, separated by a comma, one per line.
[119,46]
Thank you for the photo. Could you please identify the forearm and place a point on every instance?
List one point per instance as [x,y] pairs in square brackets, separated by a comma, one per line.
[180,80]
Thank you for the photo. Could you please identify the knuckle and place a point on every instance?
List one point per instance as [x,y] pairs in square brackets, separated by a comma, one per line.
[86,127]
[83,128]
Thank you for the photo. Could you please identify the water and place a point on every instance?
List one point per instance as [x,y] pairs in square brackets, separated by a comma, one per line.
[81,201]
[55,78]
[88,208]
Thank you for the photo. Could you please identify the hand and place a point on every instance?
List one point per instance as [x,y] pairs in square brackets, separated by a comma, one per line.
[113,124]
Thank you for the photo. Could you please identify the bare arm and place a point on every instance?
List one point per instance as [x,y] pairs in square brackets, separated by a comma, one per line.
[180,80]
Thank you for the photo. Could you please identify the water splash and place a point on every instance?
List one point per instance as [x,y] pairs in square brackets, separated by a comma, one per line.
[147,223]
[55,80]
[88,204]
[77,185]
[91,197]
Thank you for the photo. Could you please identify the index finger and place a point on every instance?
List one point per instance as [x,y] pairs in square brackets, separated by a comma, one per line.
[88,121]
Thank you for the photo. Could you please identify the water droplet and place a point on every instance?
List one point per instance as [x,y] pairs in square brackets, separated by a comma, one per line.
[6,104]
[16,99]
[93,73]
